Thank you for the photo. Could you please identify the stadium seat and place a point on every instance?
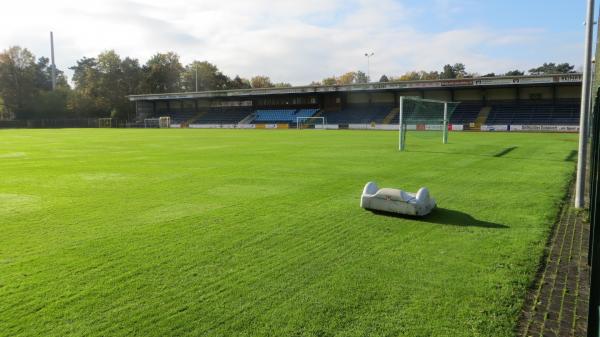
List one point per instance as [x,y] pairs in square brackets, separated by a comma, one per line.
[282,115]
[564,112]
[360,114]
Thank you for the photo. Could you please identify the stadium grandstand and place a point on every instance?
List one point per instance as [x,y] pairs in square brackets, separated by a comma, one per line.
[501,103]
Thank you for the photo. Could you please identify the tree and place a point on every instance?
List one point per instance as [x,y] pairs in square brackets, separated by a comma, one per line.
[86,98]
[85,75]
[51,104]
[18,79]
[330,81]
[347,78]
[515,72]
[421,75]
[4,115]
[44,75]
[384,78]
[110,86]
[118,78]
[132,75]
[209,77]
[80,104]
[261,82]
[239,83]
[429,75]
[102,84]
[448,72]
[162,73]
[489,75]
[410,76]
[361,77]
[552,68]
[458,70]
[282,85]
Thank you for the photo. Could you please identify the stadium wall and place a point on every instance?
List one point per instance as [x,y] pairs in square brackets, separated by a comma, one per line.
[394,127]
[468,95]
[442,95]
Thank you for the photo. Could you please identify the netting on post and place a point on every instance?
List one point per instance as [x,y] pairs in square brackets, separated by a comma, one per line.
[418,114]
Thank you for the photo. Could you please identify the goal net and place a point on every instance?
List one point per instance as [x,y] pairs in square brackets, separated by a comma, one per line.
[105,123]
[164,122]
[419,114]
[310,123]
[161,122]
[151,123]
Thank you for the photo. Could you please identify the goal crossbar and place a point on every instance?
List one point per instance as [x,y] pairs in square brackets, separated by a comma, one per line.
[300,121]
[159,122]
[105,122]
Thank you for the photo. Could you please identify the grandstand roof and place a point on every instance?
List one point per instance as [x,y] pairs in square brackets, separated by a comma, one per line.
[575,78]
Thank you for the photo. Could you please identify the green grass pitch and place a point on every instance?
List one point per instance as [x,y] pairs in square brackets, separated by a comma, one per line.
[259,233]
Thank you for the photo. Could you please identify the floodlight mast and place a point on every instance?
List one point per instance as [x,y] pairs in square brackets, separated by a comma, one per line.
[445,124]
[585,107]
[400,122]
[368,55]
[53,67]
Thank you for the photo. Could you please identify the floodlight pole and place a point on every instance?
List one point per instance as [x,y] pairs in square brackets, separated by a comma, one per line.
[445,125]
[368,55]
[196,68]
[53,67]
[400,121]
[585,107]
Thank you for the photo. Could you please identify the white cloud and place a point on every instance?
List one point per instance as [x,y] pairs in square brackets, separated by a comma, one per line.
[288,40]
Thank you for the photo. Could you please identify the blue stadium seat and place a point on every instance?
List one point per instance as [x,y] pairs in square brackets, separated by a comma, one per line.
[282,115]
[564,112]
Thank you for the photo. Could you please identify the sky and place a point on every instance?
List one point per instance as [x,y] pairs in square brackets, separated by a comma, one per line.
[299,41]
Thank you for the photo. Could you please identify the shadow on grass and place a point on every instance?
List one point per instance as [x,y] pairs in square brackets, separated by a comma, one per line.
[444,216]
[505,151]
[572,157]
[468,154]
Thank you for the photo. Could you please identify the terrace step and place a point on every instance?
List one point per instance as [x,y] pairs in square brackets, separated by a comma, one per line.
[388,119]
[248,119]
[195,118]
[483,115]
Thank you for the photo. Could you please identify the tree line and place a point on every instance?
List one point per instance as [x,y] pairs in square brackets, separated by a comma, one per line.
[449,71]
[100,84]
[459,70]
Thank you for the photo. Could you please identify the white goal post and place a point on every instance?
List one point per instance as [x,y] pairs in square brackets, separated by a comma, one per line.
[303,122]
[105,122]
[150,122]
[160,122]
[164,122]
[423,114]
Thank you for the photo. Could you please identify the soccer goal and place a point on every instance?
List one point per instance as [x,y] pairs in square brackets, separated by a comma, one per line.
[419,114]
[105,122]
[311,123]
[151,123]
[164,122]
[161,122]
